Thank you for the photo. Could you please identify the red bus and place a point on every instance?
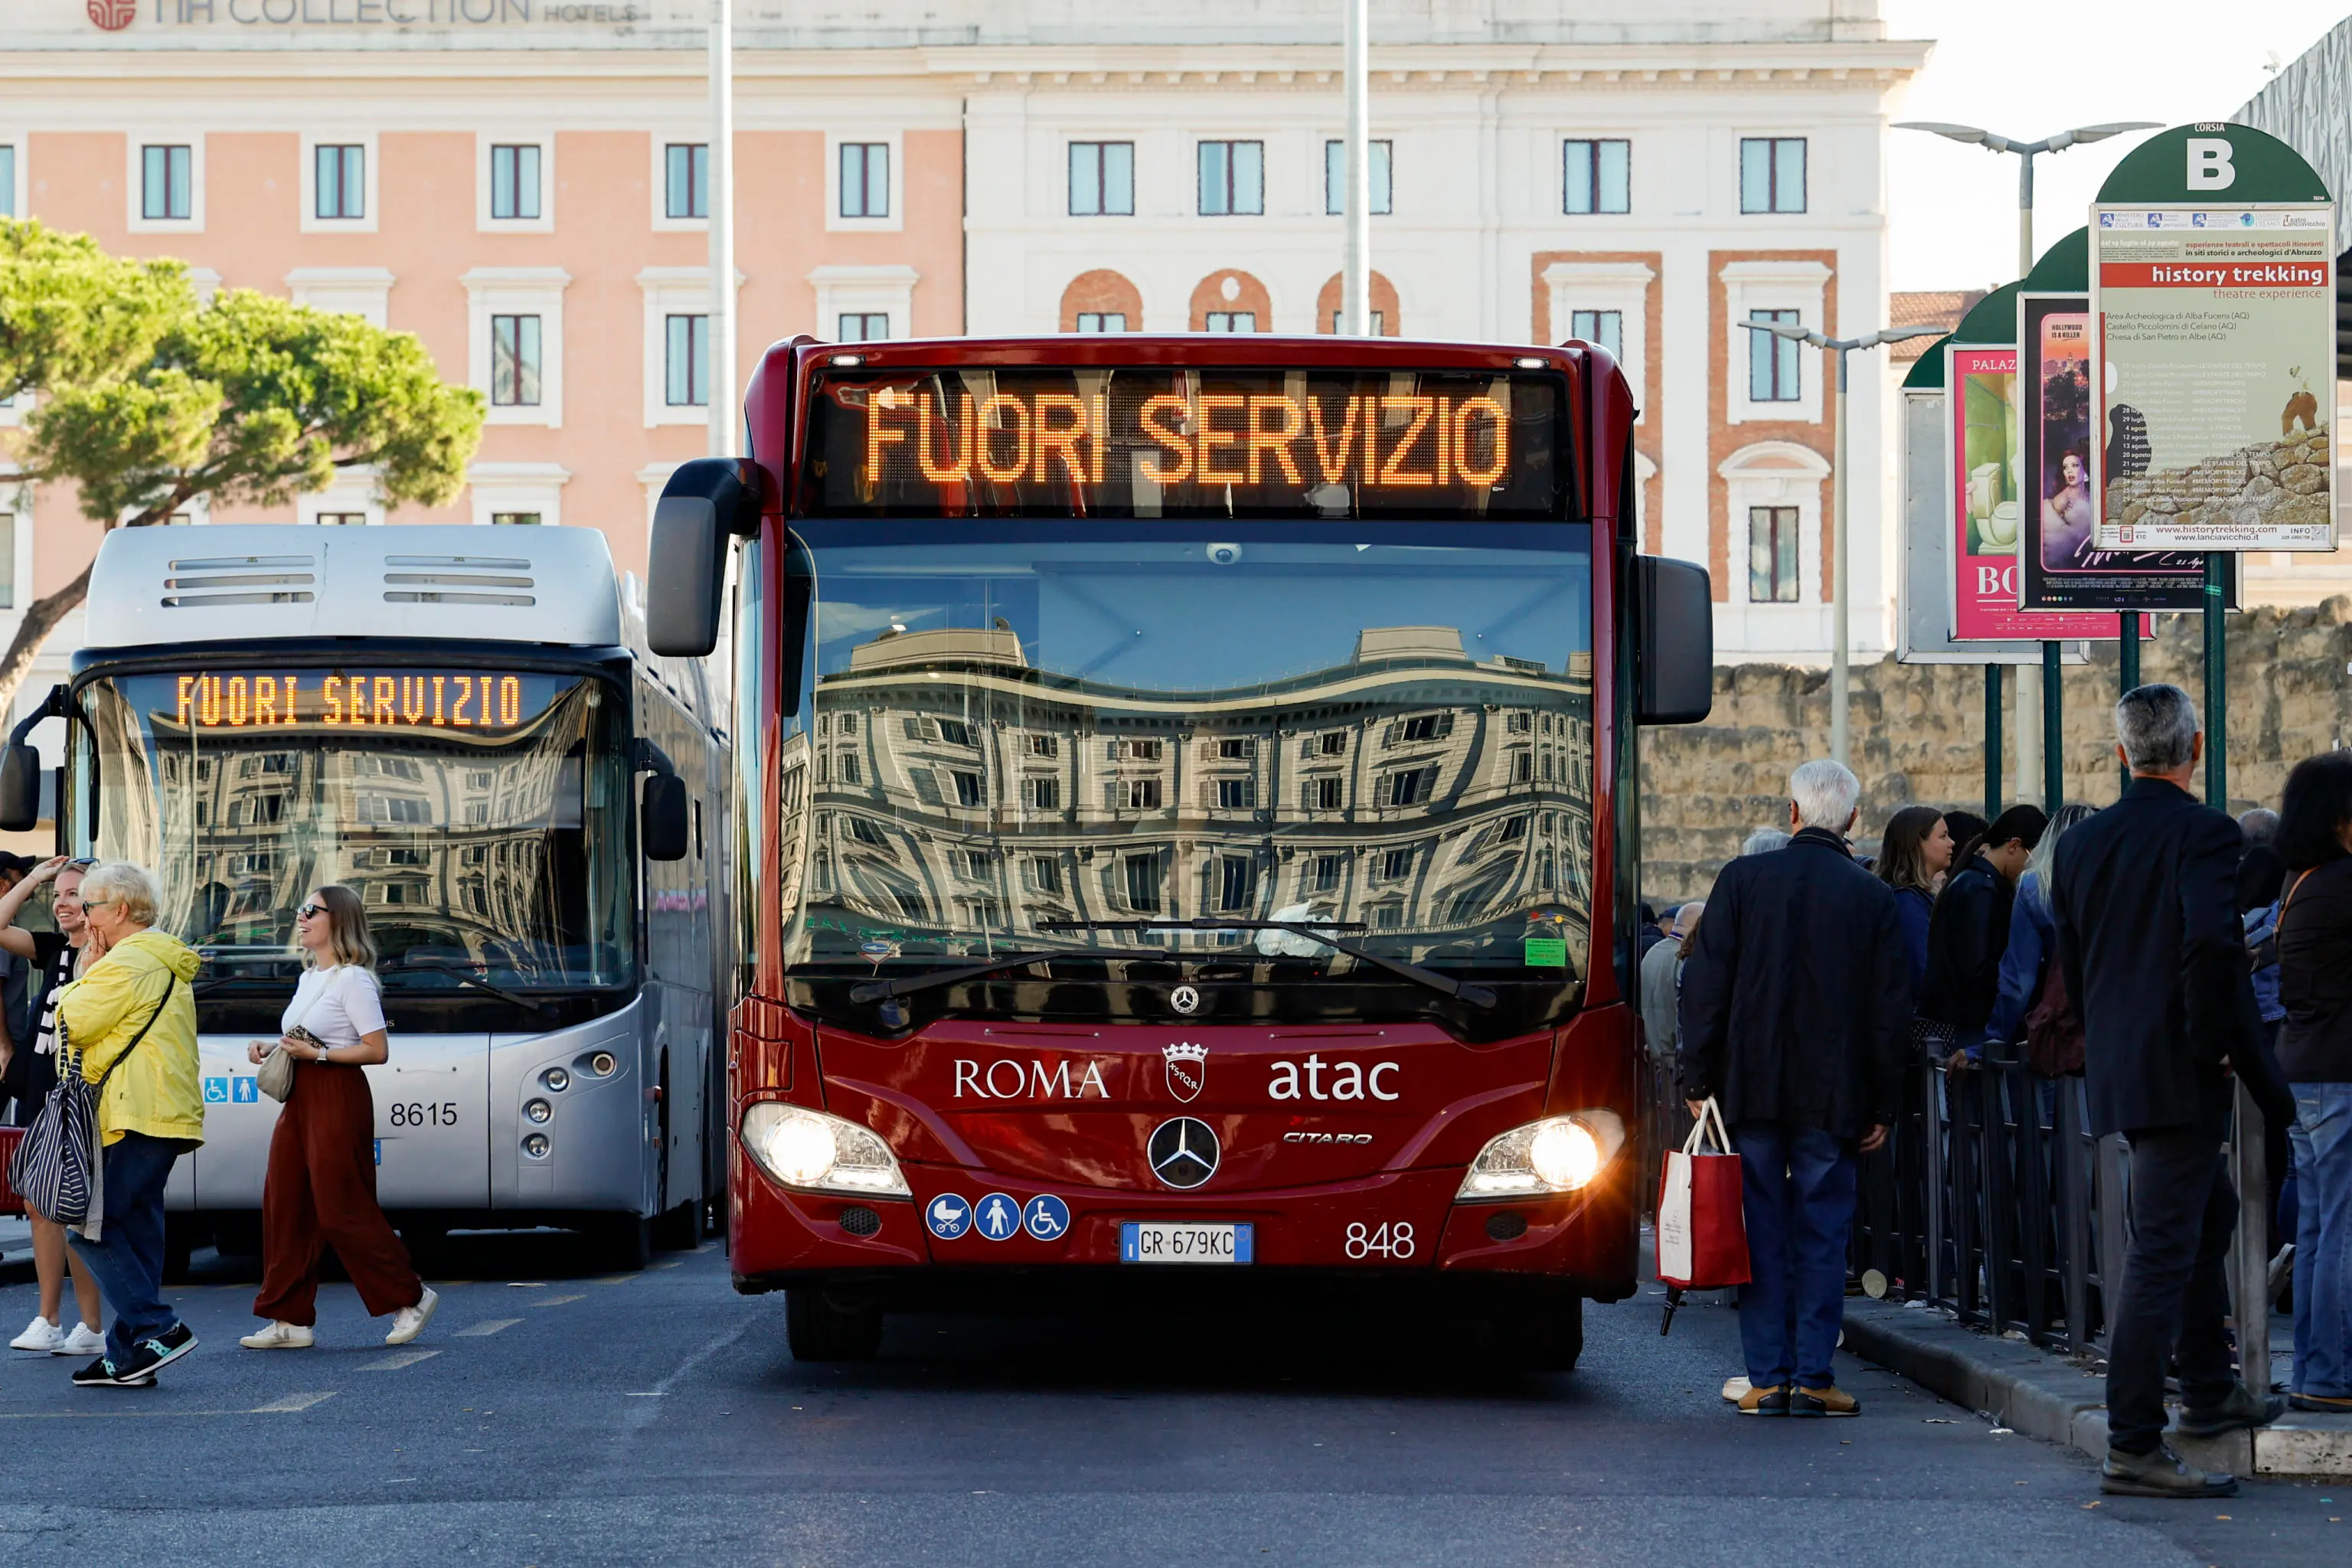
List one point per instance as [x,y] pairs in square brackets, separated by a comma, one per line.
[1187,825]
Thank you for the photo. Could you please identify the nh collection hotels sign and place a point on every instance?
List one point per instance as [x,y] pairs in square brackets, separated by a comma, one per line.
[199,23]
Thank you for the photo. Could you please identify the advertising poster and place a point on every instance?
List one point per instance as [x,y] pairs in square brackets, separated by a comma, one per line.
[1984,472]
[2216,362]
[2062,566]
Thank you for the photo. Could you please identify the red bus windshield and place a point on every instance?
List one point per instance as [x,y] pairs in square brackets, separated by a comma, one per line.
[1174,442]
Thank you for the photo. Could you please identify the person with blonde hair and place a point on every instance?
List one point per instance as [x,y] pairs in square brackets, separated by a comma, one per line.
[132,1018]
[321,1186]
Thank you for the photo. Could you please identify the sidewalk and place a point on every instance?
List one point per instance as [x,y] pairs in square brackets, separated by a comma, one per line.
[2045,1396]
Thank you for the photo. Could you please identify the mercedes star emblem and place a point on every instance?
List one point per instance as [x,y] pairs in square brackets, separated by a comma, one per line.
[1185,1000]
[1183,1152]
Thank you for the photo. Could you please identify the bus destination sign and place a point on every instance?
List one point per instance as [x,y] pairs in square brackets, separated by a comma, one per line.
[1176,443]
[409,698]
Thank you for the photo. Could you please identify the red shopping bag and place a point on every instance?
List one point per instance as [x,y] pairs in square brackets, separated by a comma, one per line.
[1702,1235]
[9,1200]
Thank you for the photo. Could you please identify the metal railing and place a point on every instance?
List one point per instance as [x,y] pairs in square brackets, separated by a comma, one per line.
[1992,1199]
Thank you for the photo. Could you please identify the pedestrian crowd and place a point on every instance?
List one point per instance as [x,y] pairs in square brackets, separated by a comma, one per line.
[91,993]
[2157,949]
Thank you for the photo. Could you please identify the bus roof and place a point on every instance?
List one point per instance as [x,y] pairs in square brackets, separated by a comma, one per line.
[243,582]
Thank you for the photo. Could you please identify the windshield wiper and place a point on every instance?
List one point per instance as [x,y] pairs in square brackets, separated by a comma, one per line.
[1476,996]
[468,978]
[887,992]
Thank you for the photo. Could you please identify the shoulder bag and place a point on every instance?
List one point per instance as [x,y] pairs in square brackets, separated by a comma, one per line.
[59,1168]
[276,1076]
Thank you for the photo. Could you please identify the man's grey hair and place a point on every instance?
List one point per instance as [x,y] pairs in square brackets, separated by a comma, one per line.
[1763,841]
[2259,826]
[1687,916]
[1824,792]
[2157,726]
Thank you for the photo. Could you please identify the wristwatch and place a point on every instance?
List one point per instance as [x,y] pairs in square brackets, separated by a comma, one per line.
[321,1058]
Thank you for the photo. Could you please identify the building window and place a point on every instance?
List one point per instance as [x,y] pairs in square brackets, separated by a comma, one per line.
[325,519]
[514,182]
[1233,179]
[1606,328]
[1772,554]
[339,186]
[1145,751]
[1045,745]
[521,518]
[1326,876]
[1775,372]
[1041,874]
[1522,767]
[953,731]
[865,179]
[1102,179]
[847,724]
[1143,884]
[7,560]
[167,181]
[863,326]
[514,361]
[1335,178]
[1042,794]
[1231,322]
[850,773]
[967,787]
[1102,320]
[7,181]
[1237,882]
[687,361]
[1333,743]
[1596,176]
[1143,795]
[686,180]
[1236,795]
[1380,322]
[1772,174]
[1324,794]
[1396,865]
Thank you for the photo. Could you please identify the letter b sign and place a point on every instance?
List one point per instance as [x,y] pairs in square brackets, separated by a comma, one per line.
[2208,164]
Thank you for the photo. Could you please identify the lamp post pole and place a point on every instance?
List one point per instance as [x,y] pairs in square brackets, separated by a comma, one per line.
[2052,691]
[1840,596]
[1356,271]
[721,198]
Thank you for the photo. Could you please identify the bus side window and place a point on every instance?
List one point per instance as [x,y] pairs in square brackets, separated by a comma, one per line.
[697,831]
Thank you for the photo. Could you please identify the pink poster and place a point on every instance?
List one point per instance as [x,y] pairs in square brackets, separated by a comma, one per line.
[1980,392]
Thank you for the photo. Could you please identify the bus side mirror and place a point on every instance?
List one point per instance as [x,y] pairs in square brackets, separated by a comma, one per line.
[1675,619]
[661,817]
[704,502]
[20,788]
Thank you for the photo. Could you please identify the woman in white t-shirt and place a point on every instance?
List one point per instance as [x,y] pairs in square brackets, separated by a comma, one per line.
[321,1183]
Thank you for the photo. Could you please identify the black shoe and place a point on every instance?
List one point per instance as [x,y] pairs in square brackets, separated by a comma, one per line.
[2244,1410]
[2322,1404]
[2159,1473]
[169,1346]
[138,1373]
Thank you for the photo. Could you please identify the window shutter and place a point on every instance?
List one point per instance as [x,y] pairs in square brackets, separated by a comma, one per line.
[1306,750]
[1306,795]
[1208,792]
[1446,722]
[927,785]
[914,728]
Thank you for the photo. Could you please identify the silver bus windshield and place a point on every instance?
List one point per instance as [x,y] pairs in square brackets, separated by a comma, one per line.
[481,815]
[1050,734]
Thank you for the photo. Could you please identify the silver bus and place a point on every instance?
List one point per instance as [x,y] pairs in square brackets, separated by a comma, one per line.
[464,725]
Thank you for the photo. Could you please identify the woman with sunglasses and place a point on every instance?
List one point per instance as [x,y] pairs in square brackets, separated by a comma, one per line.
[29,1070]
[320,1188]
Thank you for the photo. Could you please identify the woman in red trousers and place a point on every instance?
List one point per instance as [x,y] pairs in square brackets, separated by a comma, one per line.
[320,1189]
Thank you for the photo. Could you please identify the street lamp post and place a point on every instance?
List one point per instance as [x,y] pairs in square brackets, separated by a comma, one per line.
[1991,142]
[720,323]
[1356,271]
[1839,599]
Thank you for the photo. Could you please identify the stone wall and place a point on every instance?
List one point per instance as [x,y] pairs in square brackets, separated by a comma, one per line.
[1918,733]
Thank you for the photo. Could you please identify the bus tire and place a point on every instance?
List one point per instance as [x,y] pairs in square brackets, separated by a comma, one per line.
[818,1330]
[623,1241]
[1546,1332]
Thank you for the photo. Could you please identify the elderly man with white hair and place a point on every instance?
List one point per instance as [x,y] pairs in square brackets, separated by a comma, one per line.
[1661,981]
[1796,1001]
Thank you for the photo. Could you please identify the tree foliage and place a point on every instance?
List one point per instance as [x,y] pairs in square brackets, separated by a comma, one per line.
[145,400]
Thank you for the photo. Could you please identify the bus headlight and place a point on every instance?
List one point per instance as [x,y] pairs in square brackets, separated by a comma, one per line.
[1558,1154]
[807,1149]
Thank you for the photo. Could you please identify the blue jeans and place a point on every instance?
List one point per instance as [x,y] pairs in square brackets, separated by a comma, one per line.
[128,1258]
[1797,1187]
[2322,1135]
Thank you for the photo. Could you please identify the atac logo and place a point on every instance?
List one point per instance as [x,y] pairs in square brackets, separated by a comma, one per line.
[112,15]
[1187,1069]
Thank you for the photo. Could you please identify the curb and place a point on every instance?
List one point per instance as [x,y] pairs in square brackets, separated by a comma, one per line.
[2047,1396]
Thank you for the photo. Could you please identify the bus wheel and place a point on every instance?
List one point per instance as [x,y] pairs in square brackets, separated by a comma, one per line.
[817,1329]
[623,1241]
[1545,1333]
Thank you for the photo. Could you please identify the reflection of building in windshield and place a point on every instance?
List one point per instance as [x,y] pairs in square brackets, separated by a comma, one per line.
[1411,789]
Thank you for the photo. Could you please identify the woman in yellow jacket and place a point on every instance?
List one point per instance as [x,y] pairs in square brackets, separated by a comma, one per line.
[132,1016]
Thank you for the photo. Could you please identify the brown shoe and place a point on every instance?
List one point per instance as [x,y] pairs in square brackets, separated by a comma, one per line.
[2322,1403]
[1772,1401]
[1831,1401]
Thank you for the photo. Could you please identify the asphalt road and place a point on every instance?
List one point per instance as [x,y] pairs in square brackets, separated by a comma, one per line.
[552,1417]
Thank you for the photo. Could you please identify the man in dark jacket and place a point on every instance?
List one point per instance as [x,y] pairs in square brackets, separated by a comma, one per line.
[1796,1001]
[1969,930]
[2145,903]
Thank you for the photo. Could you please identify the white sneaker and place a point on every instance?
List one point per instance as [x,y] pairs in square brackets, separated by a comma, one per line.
[83,1340]
[409,1322]
[40,1334]
[1734,1389]
[279,1335]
